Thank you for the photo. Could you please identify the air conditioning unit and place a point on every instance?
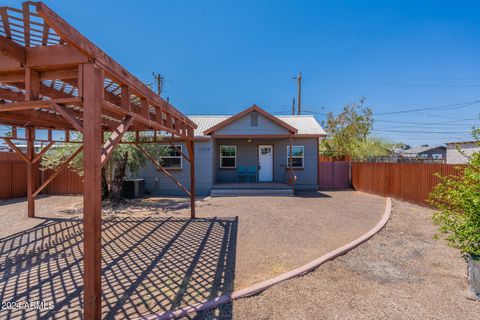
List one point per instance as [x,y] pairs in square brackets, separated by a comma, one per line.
[133,188]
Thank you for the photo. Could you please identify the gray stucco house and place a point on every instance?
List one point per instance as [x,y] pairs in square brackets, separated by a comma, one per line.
[252,140]
[459,152]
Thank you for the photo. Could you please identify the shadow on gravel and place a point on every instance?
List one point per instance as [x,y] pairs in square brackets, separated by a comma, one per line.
[310,194]
[149,265]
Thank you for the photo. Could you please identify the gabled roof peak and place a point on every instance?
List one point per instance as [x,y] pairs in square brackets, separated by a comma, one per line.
[256,108]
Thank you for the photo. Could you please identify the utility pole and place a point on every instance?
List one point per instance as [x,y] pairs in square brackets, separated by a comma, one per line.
[293,106]
[299,84]
[159,80]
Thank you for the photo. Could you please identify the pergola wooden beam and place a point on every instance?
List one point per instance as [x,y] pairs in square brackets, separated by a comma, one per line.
[34,118]
[26,105]
[9,76]
[12,50]
[57,171]
[115,139]
[42,56]
[17,150]
[39,155]
[114,69]
[180,151]
[160,167]
[68,115]
[11,95]
[47,57]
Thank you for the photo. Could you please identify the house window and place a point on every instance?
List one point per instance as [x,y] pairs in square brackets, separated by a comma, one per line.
[437,156]
[228,156]
[297,156]
[170,157]
[254,118]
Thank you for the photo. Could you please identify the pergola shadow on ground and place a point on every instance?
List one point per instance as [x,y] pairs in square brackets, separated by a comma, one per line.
[149,265]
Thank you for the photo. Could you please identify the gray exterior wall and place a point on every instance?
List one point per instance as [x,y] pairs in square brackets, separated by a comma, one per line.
[203,173]
[243,126]
[455,156]
[247,155]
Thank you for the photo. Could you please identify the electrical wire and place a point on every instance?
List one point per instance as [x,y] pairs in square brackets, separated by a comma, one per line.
[416,132]
[428,123]
[443,107]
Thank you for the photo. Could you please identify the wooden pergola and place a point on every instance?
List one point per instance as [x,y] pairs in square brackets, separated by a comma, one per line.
[54,79]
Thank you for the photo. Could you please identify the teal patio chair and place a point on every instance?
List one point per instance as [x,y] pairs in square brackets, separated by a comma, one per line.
[242,172]
[252,172]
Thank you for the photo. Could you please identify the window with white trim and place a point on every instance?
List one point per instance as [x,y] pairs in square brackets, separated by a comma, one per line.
[170,157]
[297,156]
[228,156]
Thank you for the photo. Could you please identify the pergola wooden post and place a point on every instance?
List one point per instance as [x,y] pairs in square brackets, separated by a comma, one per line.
[61,81]
[31,176]
[92,194]
[191,153]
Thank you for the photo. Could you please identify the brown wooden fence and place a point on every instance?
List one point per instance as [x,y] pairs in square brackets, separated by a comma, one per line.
[411,182]
[13,179]
[334,174]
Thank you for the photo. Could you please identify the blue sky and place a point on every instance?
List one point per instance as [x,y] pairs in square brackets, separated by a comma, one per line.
[221,56]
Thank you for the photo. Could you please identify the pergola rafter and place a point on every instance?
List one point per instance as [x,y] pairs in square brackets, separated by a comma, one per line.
[53,78]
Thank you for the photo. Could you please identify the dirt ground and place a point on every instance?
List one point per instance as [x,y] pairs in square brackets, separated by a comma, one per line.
[155,259]
[401,273]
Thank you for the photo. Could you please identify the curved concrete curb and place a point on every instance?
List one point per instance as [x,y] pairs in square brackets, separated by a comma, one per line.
[259,287]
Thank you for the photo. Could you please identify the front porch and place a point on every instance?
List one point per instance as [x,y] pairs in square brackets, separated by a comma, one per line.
[251,163]
[251,189]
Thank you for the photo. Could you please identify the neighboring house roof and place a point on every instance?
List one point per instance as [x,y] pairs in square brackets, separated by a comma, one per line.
[239,115]
[398,151]
[419,150]
[305,124]
[462,142]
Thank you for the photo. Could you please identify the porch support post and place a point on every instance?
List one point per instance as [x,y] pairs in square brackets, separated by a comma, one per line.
[92,192]
[191,154]
[31,176]
[318,162]
[291,162]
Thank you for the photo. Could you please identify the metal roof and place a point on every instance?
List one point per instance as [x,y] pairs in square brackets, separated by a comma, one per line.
[418,150]
[305,124]
[462,142]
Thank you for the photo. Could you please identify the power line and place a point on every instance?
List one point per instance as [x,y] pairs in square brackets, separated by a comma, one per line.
[431,138]
[437,127]
[427,123]
[443,107]
[417,132]
[421,85]
[314,112]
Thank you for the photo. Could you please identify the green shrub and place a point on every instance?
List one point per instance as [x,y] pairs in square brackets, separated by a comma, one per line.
[457,200]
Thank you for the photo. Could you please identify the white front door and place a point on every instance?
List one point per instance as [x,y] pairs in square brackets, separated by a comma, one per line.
[265,161]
